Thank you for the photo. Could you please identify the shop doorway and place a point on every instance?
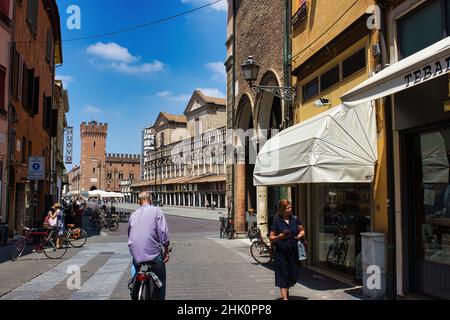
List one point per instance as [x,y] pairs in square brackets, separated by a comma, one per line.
[428,194]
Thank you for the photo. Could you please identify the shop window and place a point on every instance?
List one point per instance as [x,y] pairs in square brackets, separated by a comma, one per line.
[342,213]
[354,63]
[311,89]
[422,28]
[434,218]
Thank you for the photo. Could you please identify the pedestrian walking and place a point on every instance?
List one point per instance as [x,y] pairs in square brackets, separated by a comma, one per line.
[148,239]
[285,233]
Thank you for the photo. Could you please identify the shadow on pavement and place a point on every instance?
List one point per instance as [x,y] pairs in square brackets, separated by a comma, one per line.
[316,281]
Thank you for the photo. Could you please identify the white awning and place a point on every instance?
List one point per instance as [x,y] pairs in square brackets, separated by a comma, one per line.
[336,146]
[425,65]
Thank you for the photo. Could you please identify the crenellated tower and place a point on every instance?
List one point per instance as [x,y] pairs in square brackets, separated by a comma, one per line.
[93,155]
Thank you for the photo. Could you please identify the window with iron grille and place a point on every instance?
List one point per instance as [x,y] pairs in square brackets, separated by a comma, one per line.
[354,63]
[311,89]
[329,78]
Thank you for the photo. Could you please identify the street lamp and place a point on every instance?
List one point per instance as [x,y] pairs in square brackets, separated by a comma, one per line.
[251,69]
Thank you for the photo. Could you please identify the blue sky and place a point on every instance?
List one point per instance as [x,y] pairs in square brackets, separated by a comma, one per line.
[127,79]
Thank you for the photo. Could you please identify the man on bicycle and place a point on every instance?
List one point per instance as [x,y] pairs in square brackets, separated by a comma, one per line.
[148,239]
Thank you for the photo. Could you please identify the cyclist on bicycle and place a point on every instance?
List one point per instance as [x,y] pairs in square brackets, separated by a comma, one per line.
[148,239]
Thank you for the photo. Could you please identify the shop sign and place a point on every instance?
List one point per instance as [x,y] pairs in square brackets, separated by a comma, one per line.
[428,72]
[69,145]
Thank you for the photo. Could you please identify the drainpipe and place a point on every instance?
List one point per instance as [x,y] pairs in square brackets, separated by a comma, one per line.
[287,60]
[391,245]
[233,113]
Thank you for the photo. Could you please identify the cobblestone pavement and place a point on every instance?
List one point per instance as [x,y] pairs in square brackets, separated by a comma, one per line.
[202,267]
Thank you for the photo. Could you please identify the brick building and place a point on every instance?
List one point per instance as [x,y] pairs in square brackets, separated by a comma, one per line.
[99,170]
[258,31]
[36,51]
[6,9]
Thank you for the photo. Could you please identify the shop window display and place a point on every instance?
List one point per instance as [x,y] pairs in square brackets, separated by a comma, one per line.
[435,222]
[341,214]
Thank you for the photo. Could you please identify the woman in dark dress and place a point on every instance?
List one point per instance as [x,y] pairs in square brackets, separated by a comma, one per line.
[285,232]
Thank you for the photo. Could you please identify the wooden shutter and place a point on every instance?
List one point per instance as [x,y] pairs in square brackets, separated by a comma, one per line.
[2,89]
[36,96]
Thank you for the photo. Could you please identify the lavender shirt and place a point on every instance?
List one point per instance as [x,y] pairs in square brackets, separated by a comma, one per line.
[147,233]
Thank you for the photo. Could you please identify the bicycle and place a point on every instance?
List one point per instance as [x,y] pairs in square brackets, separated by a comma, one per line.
[46,243]
[76,237]
[337,252]
[260,250]
[226,226]
[145,284]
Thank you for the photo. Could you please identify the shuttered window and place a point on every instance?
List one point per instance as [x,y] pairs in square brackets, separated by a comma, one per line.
[32,14]
[36,96]
[329,78]
[2,88]
[354,63]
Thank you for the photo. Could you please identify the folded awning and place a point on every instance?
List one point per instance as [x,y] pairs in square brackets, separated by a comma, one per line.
[336,146]
[425,65]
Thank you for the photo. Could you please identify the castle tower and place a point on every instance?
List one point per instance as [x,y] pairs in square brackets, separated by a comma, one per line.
[93,155]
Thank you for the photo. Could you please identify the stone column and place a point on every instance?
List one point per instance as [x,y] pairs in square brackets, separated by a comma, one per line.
[194,205]
[240,195]
[261,210]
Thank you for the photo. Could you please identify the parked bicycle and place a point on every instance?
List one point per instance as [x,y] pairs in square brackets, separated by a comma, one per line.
[260,250]
[226,226]
[45,243]
[145,284]
[104,220]
[337,251]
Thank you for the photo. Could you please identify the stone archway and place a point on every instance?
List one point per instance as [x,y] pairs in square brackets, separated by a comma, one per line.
[93,188]
[269,113]
[245,192]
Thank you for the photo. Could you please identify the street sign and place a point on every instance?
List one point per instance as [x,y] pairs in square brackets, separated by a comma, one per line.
[69,145]
[36,168]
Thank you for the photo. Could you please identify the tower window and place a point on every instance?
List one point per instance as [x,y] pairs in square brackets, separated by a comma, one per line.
[94,144]
[93,170]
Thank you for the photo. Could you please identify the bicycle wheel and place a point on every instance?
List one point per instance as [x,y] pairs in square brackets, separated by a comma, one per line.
[17,249]
[77,239]
[260,252]
[113,225]
[50,250]
[144,293]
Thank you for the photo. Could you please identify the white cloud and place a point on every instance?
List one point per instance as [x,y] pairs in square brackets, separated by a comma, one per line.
[218,69]
[212,92]
[121,60]
[220,6]
[111,51]
[167,95]
[67,80]
[92,110]
[153,67]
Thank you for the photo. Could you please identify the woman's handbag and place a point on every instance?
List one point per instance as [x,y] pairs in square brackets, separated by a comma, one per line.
[301,251]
